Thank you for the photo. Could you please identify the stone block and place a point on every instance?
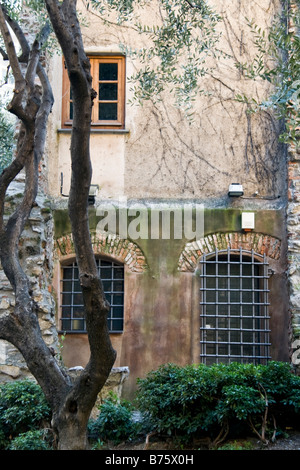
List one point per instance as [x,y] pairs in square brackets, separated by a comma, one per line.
[4,303]
[12,371]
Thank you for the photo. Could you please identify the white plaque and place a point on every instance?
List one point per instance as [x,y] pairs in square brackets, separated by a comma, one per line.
[248,220]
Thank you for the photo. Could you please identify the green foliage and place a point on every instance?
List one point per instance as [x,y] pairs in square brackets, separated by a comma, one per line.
[179,40]
[237,446]
[22,408]
[240,401]
[190,400]
[30,440]
[38,17]
[114,423]
[278,62]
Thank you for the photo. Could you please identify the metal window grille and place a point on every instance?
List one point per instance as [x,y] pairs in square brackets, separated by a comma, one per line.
[72,310]
[234,308]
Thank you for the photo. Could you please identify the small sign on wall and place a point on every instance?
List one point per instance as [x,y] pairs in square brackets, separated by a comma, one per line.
[248,221]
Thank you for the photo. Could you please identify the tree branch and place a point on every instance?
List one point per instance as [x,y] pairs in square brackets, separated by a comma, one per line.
[19,35]
[102,355]
[10,48]
[60,24]
[34,103]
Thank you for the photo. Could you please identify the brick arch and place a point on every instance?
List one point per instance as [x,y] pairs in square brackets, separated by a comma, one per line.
[107,244]
[258,242]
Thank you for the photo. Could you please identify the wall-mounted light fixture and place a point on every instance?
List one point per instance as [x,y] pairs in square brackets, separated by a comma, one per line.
[235,190]
[94,188]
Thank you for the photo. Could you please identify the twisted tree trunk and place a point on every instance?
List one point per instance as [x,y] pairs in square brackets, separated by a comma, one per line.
[71,403]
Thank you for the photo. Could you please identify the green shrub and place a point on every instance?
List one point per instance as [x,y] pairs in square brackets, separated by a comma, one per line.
[114,423]
[4,441]
[23,408]
[237,446]
[185,401]
[30,440]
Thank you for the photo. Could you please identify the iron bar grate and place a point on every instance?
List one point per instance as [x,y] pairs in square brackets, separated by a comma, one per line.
[72,309]
[234,307]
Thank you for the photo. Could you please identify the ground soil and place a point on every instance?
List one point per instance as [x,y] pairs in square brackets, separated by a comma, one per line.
[291,441]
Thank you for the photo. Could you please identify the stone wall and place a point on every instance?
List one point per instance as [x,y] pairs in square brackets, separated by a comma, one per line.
[35,251]
[114,384]
[120,249]
[293,241]
[260,243]
[293,229]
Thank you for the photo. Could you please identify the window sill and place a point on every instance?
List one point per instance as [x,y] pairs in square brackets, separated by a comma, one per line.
[97,131]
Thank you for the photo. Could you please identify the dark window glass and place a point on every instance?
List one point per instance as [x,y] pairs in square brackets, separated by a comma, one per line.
[68,272]
[107,285]
[106,272]
[108,111]
[66,312]
[108,72]
[66,325]
[108,91]
[118,273]
[116,325]
[117,312]
[117,299]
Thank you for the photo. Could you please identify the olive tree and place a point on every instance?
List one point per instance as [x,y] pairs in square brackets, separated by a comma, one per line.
[187,30]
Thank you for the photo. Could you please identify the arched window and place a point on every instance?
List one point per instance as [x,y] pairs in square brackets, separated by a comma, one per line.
[72,310]
[234,307]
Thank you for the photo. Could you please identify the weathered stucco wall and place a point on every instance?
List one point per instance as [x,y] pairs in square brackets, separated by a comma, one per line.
[162,298]
[161,158]
[161,155]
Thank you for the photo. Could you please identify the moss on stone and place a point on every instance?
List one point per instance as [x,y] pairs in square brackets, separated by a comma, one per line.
[62,224]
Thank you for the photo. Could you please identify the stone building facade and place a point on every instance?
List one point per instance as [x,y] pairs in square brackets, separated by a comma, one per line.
[224,290]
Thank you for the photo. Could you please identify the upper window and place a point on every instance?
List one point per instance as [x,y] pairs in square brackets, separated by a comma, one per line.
[108,112]
[72,309]
[234,301]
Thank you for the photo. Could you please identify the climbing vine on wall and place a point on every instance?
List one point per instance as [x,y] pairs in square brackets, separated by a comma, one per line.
[278,62]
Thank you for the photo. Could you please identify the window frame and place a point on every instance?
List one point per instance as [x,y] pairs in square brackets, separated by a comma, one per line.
[71,264]
[95,60]
[214,349]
